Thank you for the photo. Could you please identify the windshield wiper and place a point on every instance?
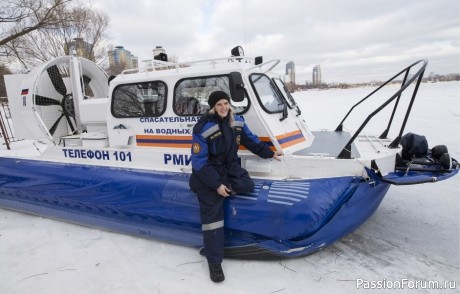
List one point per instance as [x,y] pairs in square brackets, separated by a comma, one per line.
[285,112]
[292,101]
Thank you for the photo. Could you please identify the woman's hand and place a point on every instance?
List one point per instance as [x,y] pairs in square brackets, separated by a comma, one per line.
[223,191]
[278,155]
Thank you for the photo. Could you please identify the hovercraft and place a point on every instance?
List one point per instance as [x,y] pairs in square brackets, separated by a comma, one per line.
[116,155]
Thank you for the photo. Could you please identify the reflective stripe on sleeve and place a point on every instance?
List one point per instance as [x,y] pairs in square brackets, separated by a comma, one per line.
[213,226]
[238,123]
[210,131]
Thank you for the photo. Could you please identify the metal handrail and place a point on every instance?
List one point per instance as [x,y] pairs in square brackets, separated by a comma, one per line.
[346,151]
[274,61]
[5,127]
[178,65]
[160,65]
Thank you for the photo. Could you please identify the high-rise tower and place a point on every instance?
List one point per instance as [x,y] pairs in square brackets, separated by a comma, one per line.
[290,71]
[316,75]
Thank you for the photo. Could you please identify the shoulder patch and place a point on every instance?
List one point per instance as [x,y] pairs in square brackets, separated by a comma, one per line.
[196,148]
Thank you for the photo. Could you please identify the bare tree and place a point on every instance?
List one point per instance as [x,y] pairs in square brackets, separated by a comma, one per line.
[3,71]
[89,26]
[85,36]
[75,30]
[21,17]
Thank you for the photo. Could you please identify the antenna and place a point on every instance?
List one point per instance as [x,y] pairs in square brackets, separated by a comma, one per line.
[244,22]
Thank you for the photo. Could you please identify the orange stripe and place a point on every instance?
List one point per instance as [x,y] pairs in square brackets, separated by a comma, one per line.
[293,142]
[265,139]
[173,145]
[165,145]
[293,133]
[163,137]
[164,141]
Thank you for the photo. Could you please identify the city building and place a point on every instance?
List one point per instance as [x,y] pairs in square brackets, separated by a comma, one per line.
[120,58]
[80,47]
[316,79]
[290,71]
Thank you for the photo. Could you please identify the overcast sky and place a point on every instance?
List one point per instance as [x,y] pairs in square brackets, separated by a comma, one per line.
[352,40]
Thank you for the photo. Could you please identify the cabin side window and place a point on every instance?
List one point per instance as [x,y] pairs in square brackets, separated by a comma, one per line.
[139,99]
[191,95]
[267,93]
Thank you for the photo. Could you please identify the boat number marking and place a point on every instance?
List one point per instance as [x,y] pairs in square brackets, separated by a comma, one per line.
[177,159]
[97,154]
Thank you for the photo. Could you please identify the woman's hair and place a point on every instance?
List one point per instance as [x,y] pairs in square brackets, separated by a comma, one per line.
[231,113]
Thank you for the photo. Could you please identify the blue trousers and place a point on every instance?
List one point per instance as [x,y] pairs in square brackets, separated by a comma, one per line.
[212,216]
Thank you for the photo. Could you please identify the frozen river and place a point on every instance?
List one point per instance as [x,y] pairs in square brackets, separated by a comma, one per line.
[412,239]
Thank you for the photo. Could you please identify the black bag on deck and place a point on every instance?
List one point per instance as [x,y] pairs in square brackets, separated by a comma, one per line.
[413,146]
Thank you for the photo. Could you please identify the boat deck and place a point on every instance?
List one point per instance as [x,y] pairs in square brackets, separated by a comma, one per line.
[328,144]
[331,143]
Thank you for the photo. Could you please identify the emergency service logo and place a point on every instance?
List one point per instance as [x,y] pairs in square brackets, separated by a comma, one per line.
[196,148]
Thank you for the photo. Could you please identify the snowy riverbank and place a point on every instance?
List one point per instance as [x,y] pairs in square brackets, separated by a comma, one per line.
[413,236]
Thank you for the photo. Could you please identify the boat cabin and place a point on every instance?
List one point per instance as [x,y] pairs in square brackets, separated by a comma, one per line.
[148,114]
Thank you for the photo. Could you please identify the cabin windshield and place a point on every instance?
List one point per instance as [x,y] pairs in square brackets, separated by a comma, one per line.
[191,95]
[267,93]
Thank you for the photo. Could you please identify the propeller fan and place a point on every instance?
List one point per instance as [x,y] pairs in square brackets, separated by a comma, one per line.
[66,103]
[56,99]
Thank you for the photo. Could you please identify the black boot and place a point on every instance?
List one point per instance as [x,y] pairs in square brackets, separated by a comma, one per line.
[216,273]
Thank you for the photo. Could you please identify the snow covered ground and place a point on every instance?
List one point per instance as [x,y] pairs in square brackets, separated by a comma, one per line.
[412,238]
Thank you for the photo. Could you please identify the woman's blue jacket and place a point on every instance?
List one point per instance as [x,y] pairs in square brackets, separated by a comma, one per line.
[215,147]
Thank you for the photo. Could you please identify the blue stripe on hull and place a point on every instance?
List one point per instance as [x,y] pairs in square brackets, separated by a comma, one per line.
[285,218]
[354,212]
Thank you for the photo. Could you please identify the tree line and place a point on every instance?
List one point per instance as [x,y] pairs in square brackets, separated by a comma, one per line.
[36,31]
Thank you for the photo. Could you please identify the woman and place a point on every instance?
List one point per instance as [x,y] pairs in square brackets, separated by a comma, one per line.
[217,173]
